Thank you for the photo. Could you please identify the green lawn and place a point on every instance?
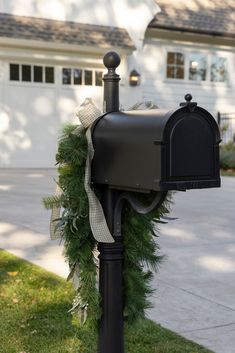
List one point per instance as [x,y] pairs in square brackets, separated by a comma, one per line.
[34,317]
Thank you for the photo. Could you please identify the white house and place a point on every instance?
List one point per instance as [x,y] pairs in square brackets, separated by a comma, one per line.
[51,59]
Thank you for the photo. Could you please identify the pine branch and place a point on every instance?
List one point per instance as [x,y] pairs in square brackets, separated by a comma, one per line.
[52,201]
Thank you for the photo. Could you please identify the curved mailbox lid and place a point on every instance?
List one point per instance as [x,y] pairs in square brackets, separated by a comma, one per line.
[151,122]
[154,122]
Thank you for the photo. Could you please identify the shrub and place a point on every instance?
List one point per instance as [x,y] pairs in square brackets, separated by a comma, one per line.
[227,156]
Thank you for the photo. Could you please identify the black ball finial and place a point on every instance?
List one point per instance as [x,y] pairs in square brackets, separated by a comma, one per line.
[191,105]
[111,60]
[188,97]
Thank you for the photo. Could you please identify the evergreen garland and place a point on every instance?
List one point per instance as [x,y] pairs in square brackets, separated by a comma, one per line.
[140,248]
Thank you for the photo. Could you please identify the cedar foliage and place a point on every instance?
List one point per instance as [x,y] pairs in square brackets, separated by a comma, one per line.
[141,256]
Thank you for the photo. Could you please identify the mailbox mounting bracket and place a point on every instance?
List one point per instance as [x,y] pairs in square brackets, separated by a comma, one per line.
[136,205]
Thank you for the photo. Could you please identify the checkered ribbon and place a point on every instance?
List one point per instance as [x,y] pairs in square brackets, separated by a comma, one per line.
[87,114]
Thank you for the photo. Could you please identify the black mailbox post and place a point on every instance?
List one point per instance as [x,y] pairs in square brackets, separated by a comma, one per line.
[143,151]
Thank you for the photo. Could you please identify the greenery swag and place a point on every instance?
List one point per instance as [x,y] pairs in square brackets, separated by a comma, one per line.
[141,257]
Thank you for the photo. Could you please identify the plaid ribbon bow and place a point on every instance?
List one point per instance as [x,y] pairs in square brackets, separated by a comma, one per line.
[87,114]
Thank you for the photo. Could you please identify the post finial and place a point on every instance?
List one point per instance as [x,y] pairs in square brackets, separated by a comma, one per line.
[111,82]
[111,60]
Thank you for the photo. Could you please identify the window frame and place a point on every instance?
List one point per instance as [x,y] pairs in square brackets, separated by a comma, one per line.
[83,69]
[20,82]
[33,66]
[226,69]
[175,65]
[189,55]
[189,51]
[73,77]
[9,72]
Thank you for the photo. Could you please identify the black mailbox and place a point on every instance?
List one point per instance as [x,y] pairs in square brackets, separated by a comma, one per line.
[157,149]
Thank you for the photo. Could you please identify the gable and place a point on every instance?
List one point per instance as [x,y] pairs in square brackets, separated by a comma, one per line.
[210,17]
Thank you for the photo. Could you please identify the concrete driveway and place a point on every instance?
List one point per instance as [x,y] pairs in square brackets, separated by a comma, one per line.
[24,223]
[195,286]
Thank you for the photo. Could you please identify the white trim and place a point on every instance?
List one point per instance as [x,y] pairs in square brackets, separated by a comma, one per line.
[50,58]
[183,38]
[64,47]
[31,84]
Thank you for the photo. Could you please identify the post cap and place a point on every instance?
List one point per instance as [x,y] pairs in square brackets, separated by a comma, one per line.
[111,60]
[188,97]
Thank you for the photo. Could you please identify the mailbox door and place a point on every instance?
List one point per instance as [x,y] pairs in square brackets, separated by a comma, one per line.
[191,153]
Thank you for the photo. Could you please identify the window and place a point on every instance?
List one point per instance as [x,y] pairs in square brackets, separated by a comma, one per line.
[197,67]
[98,78]
[66,76]
[175,65]
[14,72]
[31,73]
[26,73]
[77,76]
[49,74]
[37,73]
[218,69]
[88,77]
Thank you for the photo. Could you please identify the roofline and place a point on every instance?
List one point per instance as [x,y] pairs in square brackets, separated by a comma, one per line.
[196,31]
[46,19]
[184,36]
[10,42]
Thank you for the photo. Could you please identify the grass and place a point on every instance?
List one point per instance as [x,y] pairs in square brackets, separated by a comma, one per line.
[34,317]
[227,172]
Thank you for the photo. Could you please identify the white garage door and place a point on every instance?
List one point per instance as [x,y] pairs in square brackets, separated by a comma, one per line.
[30,138]
[32,113]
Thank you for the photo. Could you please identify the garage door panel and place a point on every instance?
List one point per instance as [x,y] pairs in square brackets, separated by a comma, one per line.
[30,140]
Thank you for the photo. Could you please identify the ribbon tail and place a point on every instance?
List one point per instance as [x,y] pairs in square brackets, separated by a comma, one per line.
[78,130]
[97,219]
